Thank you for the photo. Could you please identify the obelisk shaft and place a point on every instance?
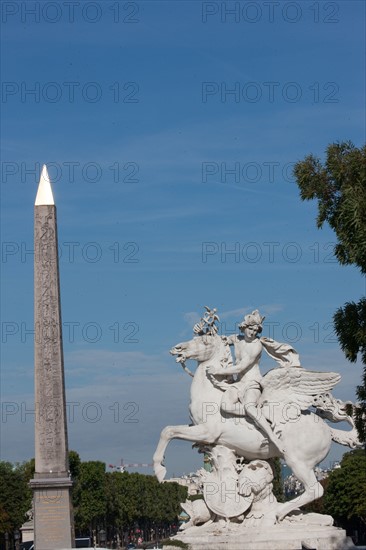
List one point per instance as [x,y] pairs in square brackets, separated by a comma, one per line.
[53,525]
[51,429]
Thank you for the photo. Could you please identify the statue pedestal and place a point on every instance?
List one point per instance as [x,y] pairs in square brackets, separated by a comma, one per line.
[278,537]
[53,521]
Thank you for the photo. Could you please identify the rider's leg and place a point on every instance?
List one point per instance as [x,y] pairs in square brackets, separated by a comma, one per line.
[230,403]
[250,399]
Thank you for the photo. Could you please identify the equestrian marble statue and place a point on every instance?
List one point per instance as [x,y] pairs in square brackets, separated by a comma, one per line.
[241,420]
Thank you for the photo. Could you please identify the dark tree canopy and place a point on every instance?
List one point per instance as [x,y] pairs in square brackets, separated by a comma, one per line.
[350,327]
[345,495]
[277,479]
[89,494]
[339,185]
[136,497]
[15,495]
[74,465]
[116,501]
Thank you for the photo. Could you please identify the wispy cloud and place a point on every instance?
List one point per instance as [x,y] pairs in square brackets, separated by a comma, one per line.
[95,360]
[265,309]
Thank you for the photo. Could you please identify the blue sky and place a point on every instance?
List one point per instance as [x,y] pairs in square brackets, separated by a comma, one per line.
[170,129]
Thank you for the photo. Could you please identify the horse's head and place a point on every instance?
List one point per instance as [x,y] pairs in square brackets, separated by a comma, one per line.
[201,348]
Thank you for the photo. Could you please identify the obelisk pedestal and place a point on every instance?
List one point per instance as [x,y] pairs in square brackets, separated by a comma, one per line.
[53,522]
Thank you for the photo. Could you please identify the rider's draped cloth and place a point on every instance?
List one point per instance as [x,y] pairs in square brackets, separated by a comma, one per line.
[283,354]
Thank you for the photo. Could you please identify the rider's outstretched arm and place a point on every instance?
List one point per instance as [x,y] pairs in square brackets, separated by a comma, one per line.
[244,364]
[239,368]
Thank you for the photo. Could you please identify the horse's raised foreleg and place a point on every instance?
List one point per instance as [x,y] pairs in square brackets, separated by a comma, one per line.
[198,434]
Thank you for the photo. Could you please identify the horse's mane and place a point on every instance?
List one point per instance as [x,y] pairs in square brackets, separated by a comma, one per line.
[228,358]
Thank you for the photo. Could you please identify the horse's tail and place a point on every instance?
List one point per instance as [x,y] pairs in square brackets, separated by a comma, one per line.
[348,438]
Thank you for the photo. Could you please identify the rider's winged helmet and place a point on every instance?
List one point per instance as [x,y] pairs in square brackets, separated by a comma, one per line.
[251,319]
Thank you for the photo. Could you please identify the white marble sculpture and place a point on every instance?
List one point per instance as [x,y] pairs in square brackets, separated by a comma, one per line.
[242,416]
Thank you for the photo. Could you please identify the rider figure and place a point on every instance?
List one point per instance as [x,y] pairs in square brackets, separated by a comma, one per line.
[247,389]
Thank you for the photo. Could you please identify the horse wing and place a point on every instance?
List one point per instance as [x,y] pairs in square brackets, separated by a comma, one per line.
[296,385]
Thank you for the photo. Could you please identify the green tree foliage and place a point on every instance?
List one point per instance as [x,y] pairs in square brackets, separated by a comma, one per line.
[350,327]
[339,186]
[277,479]
[15,496]
[141,498]
[116,501]
[345,495]
[74,465]
[27,468]
[90,497]
[170,497]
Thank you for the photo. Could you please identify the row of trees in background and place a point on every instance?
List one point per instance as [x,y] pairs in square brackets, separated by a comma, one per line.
[121,502]
[113,501]
[15,495]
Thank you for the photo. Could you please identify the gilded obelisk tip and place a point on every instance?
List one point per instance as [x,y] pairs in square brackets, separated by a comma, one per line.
[44,193]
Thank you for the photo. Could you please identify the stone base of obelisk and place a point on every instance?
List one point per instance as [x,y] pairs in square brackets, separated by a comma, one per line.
[53,522]
[278,537]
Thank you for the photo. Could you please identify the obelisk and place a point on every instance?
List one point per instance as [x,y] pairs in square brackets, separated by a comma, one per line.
[53,523]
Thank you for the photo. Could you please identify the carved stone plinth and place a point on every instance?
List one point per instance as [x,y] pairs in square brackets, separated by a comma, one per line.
[53,525]
[278,537]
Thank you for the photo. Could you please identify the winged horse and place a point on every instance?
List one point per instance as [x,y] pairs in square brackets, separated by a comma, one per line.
[287,392]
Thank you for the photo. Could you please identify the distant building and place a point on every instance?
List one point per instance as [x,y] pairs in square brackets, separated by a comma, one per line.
[192,481]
